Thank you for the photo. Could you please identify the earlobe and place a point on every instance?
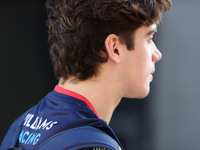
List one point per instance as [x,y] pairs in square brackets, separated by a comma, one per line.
[111,45]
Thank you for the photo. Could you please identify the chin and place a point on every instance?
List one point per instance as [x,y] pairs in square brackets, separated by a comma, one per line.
[140,95]
[143,94]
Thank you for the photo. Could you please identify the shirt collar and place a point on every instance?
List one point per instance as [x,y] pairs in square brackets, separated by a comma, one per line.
[76,95]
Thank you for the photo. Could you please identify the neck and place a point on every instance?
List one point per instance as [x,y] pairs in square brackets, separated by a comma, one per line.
[100,93]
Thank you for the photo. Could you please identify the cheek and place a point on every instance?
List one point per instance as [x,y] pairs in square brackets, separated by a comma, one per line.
[143,59]
[144,64]
[138,61]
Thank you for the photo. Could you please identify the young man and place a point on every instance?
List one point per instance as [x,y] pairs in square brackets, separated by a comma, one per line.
[102,50]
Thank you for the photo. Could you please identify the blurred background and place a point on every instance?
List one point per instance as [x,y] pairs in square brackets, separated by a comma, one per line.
[168,119]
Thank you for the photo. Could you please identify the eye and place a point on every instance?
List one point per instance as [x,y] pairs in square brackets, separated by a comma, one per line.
[154,38]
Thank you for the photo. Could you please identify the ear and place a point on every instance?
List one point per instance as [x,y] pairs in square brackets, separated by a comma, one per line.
[111,45]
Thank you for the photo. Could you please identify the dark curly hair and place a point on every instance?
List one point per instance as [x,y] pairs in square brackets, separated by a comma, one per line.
[78,29]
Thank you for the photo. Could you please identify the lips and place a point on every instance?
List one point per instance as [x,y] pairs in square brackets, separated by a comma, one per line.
[153,71]
[151,75]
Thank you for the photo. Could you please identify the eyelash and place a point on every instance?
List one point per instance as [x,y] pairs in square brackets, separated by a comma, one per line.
[154,38]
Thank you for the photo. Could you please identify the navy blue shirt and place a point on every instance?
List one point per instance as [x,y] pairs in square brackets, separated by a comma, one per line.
[60,110]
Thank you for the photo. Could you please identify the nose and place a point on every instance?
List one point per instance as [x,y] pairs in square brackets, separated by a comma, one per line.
[157,55]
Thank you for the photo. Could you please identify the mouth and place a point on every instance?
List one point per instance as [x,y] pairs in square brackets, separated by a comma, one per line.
[151,75]
[153,71]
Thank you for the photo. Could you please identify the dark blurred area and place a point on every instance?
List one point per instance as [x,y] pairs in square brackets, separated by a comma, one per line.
[168,119]
[26,71]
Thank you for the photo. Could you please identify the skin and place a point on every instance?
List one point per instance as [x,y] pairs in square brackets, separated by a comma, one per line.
[139,64]
[127,73]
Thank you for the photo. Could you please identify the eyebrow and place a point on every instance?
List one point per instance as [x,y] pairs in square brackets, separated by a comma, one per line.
[154,30]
